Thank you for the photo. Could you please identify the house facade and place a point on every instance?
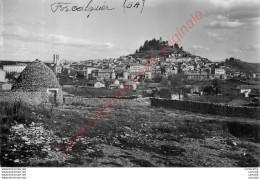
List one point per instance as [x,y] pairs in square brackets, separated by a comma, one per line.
[2,75]
[18,68]
[106,74]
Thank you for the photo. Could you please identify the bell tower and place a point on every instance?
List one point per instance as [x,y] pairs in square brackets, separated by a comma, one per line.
[56,59]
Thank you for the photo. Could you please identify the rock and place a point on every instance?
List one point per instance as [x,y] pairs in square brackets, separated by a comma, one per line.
[90,150]
[25,138]
[230,142]
[28,143]
[128,128]
[20,126]
[127,135]
[16,161]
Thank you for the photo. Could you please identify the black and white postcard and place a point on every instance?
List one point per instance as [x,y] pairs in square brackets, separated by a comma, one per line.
[129,84]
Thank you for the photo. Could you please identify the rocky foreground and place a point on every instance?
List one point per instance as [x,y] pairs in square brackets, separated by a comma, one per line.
[139,136]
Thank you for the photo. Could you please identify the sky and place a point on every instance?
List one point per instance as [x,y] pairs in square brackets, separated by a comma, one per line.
[29,29]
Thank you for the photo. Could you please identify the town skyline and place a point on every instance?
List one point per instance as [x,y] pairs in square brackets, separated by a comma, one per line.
[228,29]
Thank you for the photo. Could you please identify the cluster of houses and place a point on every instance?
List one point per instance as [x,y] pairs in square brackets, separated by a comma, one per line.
[112,73]
[198,69]
[123,69]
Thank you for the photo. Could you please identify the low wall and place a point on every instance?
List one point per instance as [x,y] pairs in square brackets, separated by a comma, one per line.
[208,108]
[98,102]
[85,101]
[89,101]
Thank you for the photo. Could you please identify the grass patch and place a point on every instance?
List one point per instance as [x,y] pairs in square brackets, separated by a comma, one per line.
[246,160]
[142,163]
[244,130]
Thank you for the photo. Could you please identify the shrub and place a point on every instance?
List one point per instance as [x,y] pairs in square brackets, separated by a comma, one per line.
[10,109]
[15,112]
[46,110]
[165,93]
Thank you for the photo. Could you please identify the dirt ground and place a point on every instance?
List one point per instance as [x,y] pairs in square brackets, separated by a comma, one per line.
[134,135]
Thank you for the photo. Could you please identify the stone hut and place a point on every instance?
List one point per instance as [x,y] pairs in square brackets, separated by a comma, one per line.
[40,81]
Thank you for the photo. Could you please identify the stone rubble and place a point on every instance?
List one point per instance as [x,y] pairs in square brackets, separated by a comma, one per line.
[34,144]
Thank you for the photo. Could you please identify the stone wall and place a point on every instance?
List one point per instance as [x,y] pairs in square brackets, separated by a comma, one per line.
[208,108]
[84,101]
[31,98]
[99,102]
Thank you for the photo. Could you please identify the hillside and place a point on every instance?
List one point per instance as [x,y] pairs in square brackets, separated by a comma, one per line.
[242,66]
[152,48]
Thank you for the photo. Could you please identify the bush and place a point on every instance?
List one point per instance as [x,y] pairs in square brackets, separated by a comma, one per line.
[47,110]
[15,112]
[165,93]
[10,109]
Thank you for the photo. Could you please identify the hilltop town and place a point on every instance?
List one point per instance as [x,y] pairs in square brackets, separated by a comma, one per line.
[184,111]
[178,75]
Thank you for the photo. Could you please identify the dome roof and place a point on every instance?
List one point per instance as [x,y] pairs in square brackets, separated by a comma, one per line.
[36,76]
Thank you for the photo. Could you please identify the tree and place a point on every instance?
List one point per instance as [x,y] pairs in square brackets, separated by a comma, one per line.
[165,93]
[146,45]
[176,46]
[209,90]
[181,49]
[212,89]
[163,69]
[12,76]
[177,80]
[107,83]
[164,81]
[141,48]
[157,78]
[216,85]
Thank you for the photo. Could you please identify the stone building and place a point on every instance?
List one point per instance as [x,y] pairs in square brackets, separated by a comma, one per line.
[106,74]
[39,80]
